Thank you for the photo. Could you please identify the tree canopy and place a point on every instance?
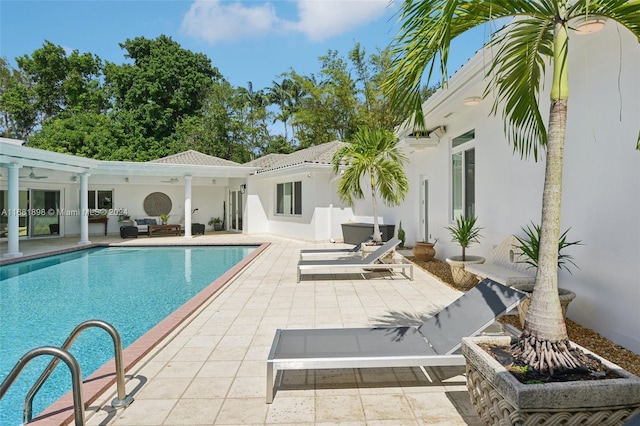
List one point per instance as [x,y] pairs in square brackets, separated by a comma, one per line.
[163,99]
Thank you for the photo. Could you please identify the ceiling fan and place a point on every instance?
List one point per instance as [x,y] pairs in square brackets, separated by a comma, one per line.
[32,175]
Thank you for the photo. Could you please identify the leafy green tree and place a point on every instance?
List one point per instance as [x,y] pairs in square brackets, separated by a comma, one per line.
[374,156]
[50,83]
[277,145]
[221,129]
[523,50]
[286,95]
[85,134]
[18,114]
[163,84]
[254,105]
[371,71]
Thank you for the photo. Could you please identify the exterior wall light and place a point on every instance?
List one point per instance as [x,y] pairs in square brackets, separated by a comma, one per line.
[243,188]
[472,100]
[588,25]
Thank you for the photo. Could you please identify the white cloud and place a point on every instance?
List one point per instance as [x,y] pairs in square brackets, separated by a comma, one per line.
[217,20]
[322,19]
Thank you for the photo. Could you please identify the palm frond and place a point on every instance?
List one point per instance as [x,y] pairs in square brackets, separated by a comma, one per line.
[424,39]
[516,74]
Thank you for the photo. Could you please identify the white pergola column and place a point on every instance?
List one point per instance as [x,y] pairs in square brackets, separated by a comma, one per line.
[187,207]
[84,209]
[13,214]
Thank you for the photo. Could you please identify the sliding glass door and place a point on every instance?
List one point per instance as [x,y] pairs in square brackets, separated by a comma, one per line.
[45,208]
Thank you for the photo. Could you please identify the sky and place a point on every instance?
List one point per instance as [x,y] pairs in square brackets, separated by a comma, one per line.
[248,41]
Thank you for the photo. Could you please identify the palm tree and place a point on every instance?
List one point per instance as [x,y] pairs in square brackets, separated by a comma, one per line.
[538,37]
[372,152]
[286,95]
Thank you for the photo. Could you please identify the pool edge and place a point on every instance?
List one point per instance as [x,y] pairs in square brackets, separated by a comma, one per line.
[61,411]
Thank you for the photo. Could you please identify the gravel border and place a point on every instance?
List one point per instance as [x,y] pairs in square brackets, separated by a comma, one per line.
[583,336]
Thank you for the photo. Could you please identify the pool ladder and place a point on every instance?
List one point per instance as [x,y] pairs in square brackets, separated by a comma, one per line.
[62,354]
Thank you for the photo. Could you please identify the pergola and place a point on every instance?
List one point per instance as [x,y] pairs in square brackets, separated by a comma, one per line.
[64,168]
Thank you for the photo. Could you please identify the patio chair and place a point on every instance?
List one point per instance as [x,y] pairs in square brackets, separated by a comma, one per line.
[335,252]
[371,261]
[434,343]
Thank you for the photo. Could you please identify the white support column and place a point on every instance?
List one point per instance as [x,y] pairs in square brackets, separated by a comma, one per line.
[13,213]
[84,209]
[187,207]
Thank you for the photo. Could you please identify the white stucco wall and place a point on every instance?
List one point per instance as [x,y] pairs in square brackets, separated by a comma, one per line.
[322,210]
[130,197]
[601,188]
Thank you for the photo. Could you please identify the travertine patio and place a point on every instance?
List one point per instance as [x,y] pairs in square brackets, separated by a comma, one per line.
[212,370]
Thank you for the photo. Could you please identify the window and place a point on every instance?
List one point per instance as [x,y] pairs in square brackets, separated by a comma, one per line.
[463,171]
[289,198]
[102,199]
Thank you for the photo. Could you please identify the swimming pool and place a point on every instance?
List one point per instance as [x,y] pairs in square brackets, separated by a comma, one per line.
[42,300]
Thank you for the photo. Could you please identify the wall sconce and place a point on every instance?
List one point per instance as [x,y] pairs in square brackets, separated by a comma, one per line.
[472,100]
[588,25]
[213,181]
[438,132]
[74,178]
[243,188]
[126,179]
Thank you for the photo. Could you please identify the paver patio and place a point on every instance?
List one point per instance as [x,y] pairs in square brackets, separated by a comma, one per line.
[212,370]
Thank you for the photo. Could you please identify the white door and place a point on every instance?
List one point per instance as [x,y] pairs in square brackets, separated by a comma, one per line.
[425,210]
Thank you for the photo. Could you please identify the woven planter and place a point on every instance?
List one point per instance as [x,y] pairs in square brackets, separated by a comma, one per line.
[461,278]
[500,399]
[566,296]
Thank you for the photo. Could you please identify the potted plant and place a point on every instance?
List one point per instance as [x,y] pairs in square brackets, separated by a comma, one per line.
[164,218]
[424,251]
[215,223]
[464,232]
[530,248]
[374,164]
[402,236]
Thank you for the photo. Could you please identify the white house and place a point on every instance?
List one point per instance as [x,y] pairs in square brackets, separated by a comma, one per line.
[464,165]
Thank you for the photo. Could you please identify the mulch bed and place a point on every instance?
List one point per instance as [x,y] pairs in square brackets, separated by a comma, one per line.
[583,336]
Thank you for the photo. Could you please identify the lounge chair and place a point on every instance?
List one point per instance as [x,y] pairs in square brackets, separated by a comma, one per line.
[371,261]
[334,252]
[435,343]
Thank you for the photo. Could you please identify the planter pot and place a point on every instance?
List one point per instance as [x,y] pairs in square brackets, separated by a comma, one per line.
[355,233]
[217,226]
[499,398]
[424,251]
[566,296]
[461,277]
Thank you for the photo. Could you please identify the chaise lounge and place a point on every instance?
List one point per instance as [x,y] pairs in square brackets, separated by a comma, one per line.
[349,264]
[434,343]
[334,252]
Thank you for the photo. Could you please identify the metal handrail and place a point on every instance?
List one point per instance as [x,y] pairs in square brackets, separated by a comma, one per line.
[122,399]
[58,354]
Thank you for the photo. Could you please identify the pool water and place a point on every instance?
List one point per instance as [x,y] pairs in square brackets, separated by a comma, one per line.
[43,300]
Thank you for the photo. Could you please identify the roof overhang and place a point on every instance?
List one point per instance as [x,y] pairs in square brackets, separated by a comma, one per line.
[12,152]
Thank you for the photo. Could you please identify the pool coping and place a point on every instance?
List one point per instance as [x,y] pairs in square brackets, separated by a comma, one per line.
[61,411]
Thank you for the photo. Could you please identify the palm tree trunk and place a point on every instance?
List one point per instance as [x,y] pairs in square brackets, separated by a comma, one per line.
[544,344]
[544,318]
[377,235]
